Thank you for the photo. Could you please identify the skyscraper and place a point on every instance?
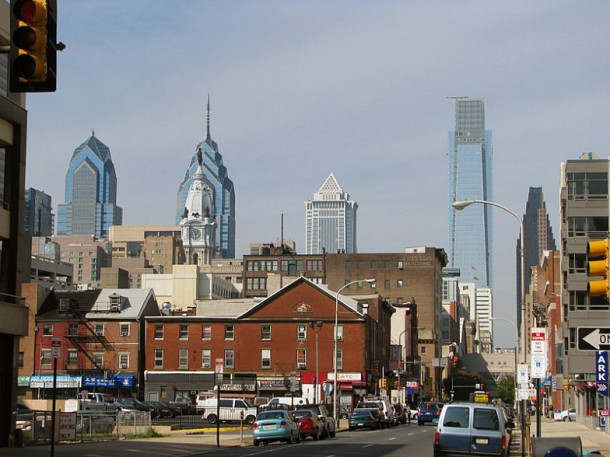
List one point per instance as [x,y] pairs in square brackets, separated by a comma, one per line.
[91,189]
[223,193]
[470,169]
[330,220]
[38,211]
[538,237]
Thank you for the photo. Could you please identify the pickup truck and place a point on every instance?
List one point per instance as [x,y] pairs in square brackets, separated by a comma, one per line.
[99,402]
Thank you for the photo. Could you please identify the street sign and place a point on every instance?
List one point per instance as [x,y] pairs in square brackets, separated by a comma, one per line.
[593,338]
[56,348]
[220,366]
[538,366]
[601,372]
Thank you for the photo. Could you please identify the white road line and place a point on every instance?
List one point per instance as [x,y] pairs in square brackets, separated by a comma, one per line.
[392,438]
[367,445]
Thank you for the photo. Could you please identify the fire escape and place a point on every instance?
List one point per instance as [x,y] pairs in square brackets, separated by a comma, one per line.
[86,339]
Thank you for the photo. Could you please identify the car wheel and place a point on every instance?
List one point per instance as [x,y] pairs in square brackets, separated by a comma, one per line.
[420,422]
[316,435]
[351,429]
[250,420]
[289,439]
[565,418]
[332,434]
[257,442]
[298,440]
[212,418]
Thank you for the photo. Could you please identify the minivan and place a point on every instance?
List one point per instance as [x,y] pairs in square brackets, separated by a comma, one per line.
[472,428]
[231,409]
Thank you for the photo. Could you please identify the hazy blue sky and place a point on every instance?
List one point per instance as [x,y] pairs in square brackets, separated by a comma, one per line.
[302,89]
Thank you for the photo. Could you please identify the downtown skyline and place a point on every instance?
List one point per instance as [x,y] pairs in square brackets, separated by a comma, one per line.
[302,91]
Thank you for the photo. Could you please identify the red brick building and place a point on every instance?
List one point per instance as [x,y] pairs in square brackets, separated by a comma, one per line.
[263,343]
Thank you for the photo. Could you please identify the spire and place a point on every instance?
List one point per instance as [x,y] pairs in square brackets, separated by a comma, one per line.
[208,119]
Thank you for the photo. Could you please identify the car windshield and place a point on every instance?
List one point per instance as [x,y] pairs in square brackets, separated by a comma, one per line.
[302,413]
[361,413]
[457,416]
[486,419]
[428,406]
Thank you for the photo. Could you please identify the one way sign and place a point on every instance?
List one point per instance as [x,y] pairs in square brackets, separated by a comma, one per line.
[593,338]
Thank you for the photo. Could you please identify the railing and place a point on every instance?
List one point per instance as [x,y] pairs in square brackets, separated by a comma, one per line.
[16,299]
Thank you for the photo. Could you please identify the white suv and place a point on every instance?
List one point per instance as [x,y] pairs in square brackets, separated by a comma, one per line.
[231,409]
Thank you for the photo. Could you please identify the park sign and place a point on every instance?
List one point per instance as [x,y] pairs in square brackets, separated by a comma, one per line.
[593,338]
[601,372]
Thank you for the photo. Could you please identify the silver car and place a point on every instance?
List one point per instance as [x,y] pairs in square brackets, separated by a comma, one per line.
[472,429]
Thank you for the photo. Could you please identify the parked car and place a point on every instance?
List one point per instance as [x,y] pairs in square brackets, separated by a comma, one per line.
[94,423]
[182,405]
[330,426]
[133,404]
[291,402]
[472,428]
[428,411]
[365,418]
[387,413]
[400,413]
[231,409]
[159,409]
[568,415]
[275,425]
[309,424]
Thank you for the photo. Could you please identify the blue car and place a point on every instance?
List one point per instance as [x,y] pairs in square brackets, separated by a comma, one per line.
[428,411]
[275,425]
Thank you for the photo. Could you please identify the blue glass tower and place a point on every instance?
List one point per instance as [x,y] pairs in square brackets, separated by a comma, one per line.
[216,175]
[470,169]
[91,188]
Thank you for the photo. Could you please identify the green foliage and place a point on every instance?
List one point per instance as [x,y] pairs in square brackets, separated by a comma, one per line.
[506,389]
[463,385]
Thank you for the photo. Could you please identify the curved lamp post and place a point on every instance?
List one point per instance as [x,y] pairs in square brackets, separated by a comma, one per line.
[335,398]
[460,205]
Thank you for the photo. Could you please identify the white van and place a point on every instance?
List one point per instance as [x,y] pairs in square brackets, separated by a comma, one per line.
[231,409]
[287,401]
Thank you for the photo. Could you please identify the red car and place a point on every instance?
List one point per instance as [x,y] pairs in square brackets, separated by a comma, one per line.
[309,424]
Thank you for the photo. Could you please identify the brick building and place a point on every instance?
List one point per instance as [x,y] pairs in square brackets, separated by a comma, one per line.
[262,343]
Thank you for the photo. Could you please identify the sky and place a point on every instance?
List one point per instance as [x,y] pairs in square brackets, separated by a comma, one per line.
[302,89]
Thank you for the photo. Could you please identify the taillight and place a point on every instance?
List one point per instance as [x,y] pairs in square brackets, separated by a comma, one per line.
[437,437]
[438,413]
[283,424]
[255,425]
[503,442]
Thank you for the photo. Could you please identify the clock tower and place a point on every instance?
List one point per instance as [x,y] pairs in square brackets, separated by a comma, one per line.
[198,225]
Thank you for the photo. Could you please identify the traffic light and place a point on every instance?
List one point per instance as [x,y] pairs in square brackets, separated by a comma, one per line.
[33,48]
[383,383]
[597,252]
[456,361]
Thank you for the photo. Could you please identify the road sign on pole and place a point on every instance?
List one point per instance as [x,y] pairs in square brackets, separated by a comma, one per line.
[601,372]
[593,338]
[56,348]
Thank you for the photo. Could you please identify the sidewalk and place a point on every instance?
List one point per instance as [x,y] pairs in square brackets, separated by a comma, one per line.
[592,440]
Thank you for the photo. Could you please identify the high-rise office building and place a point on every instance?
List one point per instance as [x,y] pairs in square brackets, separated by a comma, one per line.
[538,237]
[470,178]
[223,193]
[91,190]
[39,218]
[330,224]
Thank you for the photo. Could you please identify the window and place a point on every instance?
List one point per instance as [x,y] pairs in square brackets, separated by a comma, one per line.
[98,360]
[206,358]
[98,329]
[229,332]
[183,359]
[45,357]
[183,331]
[301,332]
[486,419]
[266,332]
[386,264]
[339,333]
[229,358]
[348,264]
[373,264]
[386,284]
[206,332]
[72,356]
[265,358]
[47,330]
[124,329]
[158,331]
[457,416]
[301,359]
[20,360]
[72,329]
[399,283]
[339,359]
[400,265]
[123,361]
[158,358]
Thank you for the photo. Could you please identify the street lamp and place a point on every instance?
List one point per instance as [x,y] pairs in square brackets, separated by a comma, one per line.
[460,205]
[335,398]
[316,326]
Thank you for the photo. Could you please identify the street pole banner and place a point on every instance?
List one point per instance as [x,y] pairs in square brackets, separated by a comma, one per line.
[601,372]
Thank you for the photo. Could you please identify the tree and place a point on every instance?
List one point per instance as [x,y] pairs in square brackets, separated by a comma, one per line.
[506,389]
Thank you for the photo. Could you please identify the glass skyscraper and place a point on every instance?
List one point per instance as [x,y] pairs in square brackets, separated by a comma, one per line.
[223,193]
[470,178]
[91,189]
[39,218]
[330,224]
